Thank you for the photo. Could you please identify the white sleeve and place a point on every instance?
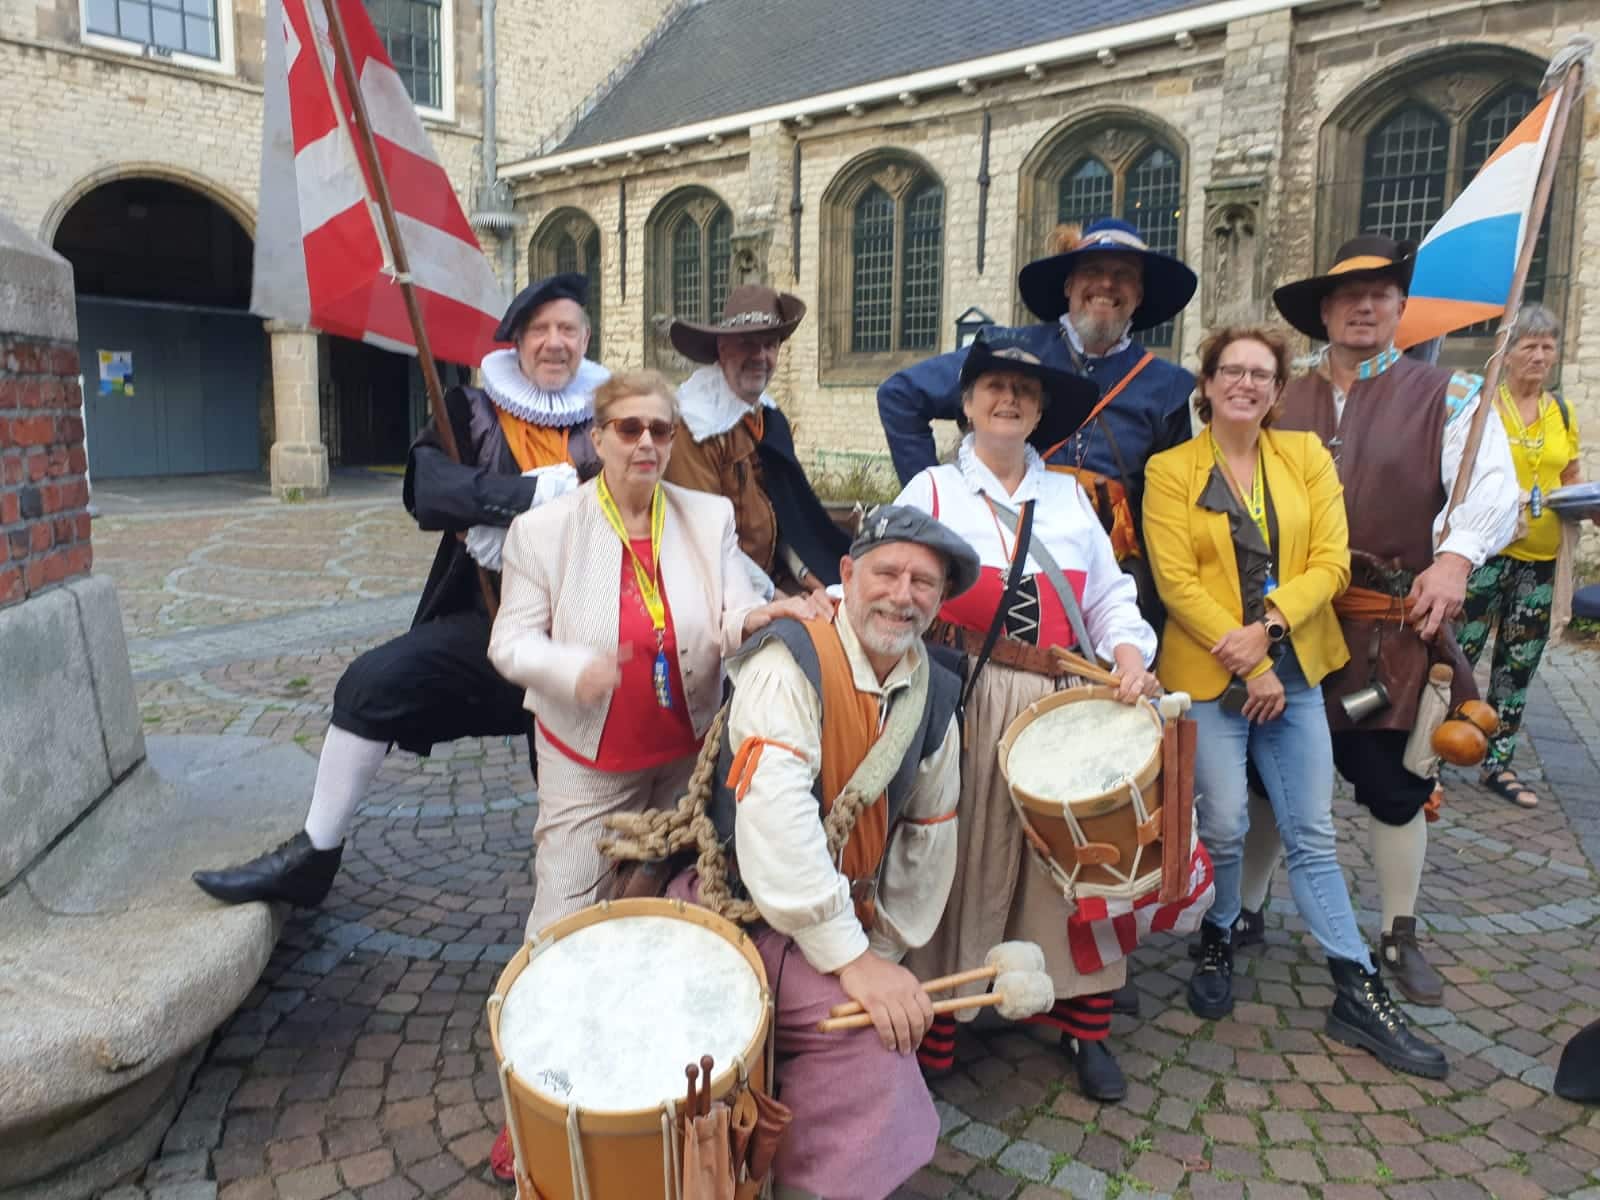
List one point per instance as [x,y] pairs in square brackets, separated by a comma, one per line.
[1110,597]
[783,851]
[1486,520]
[920,861]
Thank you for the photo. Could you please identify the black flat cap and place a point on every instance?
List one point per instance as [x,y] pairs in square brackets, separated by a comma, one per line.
[902,523]
[566,286]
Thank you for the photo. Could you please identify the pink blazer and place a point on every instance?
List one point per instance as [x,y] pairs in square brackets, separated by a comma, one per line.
[560,593]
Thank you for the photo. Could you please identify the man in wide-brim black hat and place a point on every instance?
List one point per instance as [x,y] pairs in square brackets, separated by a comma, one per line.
[1397,429]
[1098,290]
[739,443]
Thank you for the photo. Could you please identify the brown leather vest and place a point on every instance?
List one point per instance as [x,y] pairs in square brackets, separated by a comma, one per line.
[1388,446]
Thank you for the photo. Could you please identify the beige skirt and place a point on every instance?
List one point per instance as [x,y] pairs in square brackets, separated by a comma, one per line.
[1000,893]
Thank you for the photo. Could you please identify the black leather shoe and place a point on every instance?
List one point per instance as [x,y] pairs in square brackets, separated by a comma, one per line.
[1125,1000]
[1249,929]
[296,873]
[1364,1016]
[1211,985]
[1099,1076]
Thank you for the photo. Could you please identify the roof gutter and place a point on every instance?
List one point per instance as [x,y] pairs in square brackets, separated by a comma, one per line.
[1101,43]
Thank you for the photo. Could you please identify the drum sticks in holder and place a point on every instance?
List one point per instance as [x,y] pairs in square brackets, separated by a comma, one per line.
[1021,988]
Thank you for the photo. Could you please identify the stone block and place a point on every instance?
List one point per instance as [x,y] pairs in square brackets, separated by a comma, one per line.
[36,297]
[114,967]
[114,693]
[53,763]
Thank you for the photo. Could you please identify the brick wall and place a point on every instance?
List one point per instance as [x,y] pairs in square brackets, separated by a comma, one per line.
[44,496]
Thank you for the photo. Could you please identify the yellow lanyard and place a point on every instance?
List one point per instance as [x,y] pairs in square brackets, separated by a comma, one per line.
[647,586]
[1257,500]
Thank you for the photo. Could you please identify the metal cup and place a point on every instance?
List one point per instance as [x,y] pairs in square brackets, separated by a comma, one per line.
[1370,700]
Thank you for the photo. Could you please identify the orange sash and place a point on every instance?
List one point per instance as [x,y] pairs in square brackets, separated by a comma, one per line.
[533,445]
[1109,497]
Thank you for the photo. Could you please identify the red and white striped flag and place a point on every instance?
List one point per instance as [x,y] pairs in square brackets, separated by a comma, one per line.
[1104,930]
[321,256]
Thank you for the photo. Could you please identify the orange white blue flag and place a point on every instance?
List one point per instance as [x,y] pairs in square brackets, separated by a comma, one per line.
[1465,264]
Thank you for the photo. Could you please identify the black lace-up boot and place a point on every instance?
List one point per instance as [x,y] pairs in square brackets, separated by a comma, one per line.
[1364,1015]
[296,872]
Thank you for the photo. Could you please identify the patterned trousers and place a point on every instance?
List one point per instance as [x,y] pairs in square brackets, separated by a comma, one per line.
[1515,596]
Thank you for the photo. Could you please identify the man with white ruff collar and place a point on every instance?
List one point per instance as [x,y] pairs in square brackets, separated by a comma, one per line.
[740,445]
[523,440]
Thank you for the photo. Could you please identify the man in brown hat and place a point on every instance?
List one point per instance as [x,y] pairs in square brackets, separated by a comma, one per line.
[1397,429]
[740,445]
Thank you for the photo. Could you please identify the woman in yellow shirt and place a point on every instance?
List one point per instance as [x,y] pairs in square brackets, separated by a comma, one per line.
[1514,589]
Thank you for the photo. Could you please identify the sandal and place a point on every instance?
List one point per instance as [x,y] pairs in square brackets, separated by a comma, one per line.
[1505,784]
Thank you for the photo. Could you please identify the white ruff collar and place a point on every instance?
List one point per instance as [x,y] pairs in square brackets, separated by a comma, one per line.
[709,406]
[513,391]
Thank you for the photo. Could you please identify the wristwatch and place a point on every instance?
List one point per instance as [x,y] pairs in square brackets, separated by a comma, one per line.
[1276,630]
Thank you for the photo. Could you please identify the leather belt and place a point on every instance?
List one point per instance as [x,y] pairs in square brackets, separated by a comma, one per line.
[1007,652]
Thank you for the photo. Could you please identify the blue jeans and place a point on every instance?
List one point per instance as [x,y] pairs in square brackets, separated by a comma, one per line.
[1294,756]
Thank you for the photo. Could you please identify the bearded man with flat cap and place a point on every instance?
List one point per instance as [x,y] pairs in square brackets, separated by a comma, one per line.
[523,440]
[1397,429]
[739,444]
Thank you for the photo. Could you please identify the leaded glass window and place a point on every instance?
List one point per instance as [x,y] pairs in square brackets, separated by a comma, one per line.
[718,260]
[1406,174]
[1086,191]
[872,262]
[409,30]
[922,260]
[687,270]
[180,26]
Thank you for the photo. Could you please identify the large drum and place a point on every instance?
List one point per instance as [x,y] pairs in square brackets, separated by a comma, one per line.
[593,1024]
[1085,772]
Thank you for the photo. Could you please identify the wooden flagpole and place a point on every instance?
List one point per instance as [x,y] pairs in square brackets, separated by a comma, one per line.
[367,147]
[1571,84]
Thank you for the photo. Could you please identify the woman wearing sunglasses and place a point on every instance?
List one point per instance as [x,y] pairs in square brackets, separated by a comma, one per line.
[618,602]
[1245,528]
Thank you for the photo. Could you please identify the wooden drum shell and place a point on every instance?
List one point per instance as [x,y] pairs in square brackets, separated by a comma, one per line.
[623,1150]
[1107,818]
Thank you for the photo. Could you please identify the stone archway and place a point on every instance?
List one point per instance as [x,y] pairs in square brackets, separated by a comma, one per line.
[175,367]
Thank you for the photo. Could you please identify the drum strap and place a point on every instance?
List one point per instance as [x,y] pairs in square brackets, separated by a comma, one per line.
[1069,598]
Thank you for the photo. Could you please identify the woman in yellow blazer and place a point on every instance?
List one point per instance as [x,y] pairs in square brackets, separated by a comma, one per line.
[1245,530]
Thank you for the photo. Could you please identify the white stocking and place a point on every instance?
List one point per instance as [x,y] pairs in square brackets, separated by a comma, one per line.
[344,772]
[1398,852]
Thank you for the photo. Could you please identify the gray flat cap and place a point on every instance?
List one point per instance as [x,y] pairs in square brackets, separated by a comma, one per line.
[901,523]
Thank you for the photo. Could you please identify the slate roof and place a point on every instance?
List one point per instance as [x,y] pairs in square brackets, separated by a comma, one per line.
[728,56]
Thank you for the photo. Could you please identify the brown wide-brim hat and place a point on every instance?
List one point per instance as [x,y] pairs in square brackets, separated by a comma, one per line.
[751,308]
[1366,257]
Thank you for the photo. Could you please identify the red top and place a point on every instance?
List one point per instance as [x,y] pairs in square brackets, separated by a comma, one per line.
[974,608]
[639,733]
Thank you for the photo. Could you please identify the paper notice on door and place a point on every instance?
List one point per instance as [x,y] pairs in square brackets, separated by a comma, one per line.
[116,372]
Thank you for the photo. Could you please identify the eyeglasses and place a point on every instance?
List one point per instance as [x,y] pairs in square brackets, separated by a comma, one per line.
[631,429]
[1233,372]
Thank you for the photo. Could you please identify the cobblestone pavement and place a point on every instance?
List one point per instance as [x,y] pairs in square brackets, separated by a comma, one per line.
[361,1064]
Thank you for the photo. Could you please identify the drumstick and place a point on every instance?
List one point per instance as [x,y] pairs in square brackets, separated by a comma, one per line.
[1083,667]
[691,1071]
[1018,994]
[1003,957]
[705,1090]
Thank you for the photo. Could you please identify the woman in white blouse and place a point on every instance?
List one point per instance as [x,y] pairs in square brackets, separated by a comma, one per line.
[985,496]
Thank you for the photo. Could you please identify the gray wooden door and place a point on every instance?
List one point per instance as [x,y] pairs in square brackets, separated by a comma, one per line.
[198,376]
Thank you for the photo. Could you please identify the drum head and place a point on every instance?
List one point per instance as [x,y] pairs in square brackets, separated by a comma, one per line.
[1080,747]
[608,1011]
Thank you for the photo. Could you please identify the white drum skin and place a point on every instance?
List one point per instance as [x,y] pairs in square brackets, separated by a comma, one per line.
[1081,750]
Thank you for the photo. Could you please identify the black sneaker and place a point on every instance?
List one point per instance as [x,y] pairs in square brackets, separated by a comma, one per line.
[1211,985]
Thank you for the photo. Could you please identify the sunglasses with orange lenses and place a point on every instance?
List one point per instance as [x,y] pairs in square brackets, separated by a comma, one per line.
[631,429]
